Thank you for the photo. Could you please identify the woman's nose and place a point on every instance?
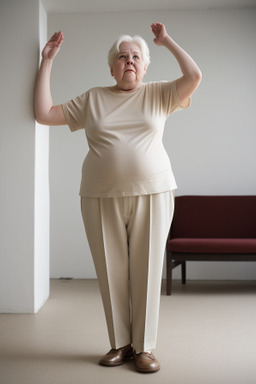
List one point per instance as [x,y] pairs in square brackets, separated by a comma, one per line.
[130,61]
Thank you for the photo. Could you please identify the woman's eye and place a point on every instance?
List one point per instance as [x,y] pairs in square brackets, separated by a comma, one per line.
[122,57]
[136,57]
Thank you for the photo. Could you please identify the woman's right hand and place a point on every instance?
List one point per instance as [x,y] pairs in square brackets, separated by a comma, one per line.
[53,46]
[45,112]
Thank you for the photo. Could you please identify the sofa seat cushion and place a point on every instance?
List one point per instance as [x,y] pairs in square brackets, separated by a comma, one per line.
[187,245]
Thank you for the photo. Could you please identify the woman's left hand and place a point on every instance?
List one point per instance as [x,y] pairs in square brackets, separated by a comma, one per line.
[160,33]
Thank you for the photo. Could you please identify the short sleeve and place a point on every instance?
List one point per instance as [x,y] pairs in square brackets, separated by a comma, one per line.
[170,98]
[75,112]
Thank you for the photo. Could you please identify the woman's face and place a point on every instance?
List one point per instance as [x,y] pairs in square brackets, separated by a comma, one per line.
[128,67]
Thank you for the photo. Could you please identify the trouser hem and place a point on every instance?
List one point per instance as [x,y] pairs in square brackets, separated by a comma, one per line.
[143,347]
[120,345]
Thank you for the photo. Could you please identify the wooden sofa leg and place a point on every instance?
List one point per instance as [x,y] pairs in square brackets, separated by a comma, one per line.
[183,272]
[168,274]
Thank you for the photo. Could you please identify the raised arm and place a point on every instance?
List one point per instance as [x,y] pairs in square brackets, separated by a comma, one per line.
[46,113]
[192,75]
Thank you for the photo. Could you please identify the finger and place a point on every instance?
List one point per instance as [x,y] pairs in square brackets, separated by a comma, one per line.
[154,29]
[59,37]
[154,26]
[56,36]
[53,37]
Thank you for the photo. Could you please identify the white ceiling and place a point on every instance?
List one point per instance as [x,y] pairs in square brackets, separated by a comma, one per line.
[136,5]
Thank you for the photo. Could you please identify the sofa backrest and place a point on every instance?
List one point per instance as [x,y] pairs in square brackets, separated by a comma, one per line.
[214,217]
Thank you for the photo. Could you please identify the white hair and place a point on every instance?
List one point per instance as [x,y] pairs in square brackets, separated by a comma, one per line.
[115,49]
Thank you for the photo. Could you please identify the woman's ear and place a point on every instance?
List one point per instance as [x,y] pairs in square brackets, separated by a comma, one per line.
[111,71]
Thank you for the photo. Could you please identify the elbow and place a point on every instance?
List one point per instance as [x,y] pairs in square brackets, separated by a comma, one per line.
[40,120]
[194,78]
[37,115]
[40,116]
[198,76]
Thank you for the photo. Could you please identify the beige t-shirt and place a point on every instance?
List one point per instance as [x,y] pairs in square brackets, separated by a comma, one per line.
[124,131]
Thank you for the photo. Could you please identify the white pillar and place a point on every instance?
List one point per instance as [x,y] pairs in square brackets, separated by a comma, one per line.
[24,191]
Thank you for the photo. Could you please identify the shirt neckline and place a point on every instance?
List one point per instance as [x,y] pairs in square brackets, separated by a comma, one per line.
[124,93]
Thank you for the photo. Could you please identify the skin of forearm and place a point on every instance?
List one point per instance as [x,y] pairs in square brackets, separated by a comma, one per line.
[187,65]
[43,98]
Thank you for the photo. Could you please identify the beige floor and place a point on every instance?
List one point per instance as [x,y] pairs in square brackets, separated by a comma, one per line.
[207,335]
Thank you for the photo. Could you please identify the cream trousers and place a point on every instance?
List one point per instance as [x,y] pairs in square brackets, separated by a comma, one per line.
[127,237]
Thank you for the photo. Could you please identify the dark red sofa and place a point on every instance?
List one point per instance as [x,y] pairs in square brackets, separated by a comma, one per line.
[211,228]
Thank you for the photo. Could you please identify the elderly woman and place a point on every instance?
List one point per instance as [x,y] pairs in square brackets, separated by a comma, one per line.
[127,183]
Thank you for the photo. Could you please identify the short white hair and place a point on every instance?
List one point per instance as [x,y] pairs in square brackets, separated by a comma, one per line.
[115,49]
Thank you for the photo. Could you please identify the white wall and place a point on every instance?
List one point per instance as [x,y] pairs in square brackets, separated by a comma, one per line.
[42,196]
[24,274]
[211,145]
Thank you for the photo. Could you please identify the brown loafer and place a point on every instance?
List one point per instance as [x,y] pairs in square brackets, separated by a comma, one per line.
[117,356]
[146,362]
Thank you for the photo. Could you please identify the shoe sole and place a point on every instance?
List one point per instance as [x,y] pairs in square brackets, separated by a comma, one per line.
[128,357]
[147,371]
